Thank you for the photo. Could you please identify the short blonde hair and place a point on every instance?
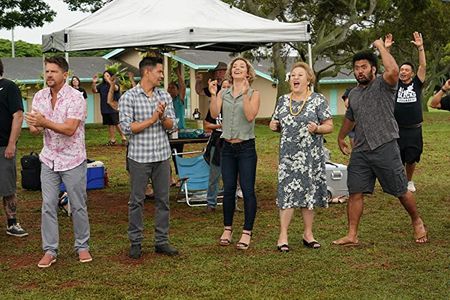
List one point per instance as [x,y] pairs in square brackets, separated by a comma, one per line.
[250,70]
[309,72]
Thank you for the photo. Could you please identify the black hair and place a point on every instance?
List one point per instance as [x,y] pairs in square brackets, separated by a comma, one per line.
[149,62]
[59,61]
[1,68]
[366,55]
[75,77]
[109,72]
[408,64]
[175,84]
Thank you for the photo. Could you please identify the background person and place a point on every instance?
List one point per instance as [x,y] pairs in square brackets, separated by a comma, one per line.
[59,112]
[240,105]
[376,154]
[302,117]
[408,109]
[76,84]
[440,101]
[177,91]
[146,113]
[109,114]
[11,117]
[218,76]
[212,155]
[351,134]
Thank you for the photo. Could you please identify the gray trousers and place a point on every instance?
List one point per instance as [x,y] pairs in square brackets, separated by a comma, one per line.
[75,182]
[159,172]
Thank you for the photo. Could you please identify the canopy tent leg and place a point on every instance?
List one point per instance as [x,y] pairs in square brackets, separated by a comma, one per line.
[66,56]
[310,60]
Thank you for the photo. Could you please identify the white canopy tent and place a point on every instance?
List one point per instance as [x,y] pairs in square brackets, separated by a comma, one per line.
[183,24]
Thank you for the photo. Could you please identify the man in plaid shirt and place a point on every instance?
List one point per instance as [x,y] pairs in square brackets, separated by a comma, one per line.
[145,113]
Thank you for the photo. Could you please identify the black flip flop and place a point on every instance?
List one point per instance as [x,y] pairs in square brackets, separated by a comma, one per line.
[312,244]
[283,248]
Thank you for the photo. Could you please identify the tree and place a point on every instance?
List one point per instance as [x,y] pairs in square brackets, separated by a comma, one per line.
[86,5]
[25,13]
[22,49]
[342,28]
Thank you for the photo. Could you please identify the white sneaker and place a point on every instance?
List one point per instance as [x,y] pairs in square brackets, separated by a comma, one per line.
[411,186]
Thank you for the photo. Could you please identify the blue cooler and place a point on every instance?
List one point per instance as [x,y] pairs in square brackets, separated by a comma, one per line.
[95,176]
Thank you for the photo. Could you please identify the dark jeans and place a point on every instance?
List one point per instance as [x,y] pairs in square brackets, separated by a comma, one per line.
[239,158]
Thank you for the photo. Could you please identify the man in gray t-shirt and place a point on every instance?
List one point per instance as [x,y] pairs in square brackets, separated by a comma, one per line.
[375,154]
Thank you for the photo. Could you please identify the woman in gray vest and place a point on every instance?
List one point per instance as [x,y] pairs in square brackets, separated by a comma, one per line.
[239,105]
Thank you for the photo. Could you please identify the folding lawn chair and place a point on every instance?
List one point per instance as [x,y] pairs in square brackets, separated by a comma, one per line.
[194,176]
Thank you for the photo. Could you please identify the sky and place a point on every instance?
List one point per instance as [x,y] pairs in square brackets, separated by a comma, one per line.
[64,17]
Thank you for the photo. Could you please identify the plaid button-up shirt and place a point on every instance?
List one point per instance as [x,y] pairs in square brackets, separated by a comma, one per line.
[151,144]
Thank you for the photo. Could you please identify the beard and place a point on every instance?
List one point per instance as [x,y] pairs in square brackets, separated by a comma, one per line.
[365,80]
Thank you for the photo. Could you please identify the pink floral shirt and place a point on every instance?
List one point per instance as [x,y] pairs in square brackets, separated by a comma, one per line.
[62,152]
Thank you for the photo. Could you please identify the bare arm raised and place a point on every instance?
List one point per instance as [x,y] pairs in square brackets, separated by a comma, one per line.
[418,42]
[391,71]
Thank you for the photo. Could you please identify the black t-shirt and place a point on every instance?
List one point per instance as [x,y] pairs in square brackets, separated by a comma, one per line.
[216,121]
[81,90]
[10,103]
[103,89]
[445,103]
[408,103]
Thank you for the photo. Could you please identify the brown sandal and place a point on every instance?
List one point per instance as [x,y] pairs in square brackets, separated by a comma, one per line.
[226,242]
[242,245]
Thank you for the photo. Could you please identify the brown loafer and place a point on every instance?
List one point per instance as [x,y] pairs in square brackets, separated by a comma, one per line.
[46,261]
[84,256]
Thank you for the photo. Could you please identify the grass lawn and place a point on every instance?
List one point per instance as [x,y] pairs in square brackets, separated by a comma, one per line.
[387,265]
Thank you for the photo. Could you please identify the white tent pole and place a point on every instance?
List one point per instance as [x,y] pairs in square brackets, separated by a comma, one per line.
[66,55]
[310,59]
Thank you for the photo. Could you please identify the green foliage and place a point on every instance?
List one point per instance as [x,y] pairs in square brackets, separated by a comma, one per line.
[24,89]
[22,49]
[25,13]
[120,73]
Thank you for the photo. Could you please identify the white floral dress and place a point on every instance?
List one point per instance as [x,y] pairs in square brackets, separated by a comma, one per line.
[301,170]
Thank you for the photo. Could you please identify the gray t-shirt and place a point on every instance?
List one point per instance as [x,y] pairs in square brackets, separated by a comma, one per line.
[371,107]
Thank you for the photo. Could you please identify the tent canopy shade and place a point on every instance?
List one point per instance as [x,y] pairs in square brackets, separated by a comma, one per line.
[193,24]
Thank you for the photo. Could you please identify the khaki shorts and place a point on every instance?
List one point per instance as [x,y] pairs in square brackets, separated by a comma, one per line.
[384,164]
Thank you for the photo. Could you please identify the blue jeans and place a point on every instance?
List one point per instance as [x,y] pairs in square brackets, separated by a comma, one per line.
[213,183]
[239,158]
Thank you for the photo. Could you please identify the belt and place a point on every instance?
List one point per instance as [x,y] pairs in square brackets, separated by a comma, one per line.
[240,143]
[411,126]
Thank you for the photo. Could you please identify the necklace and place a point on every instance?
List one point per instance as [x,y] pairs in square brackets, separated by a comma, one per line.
[301,108]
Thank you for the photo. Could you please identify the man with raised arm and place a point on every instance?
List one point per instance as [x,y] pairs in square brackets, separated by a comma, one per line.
[376,154]
[408,109]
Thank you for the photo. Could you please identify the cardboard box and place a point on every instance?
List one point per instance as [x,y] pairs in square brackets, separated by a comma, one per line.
[95,176]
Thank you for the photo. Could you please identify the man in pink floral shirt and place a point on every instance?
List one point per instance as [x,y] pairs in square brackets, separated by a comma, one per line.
[58,112]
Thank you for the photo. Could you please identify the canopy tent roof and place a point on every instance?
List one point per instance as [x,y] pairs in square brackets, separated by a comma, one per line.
[182,24]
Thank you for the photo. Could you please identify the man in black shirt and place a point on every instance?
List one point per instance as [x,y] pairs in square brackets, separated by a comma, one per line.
[408,111]
[440,101]
[11,117]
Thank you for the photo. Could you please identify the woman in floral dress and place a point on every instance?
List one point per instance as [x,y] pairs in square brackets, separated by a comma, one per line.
[302,117]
